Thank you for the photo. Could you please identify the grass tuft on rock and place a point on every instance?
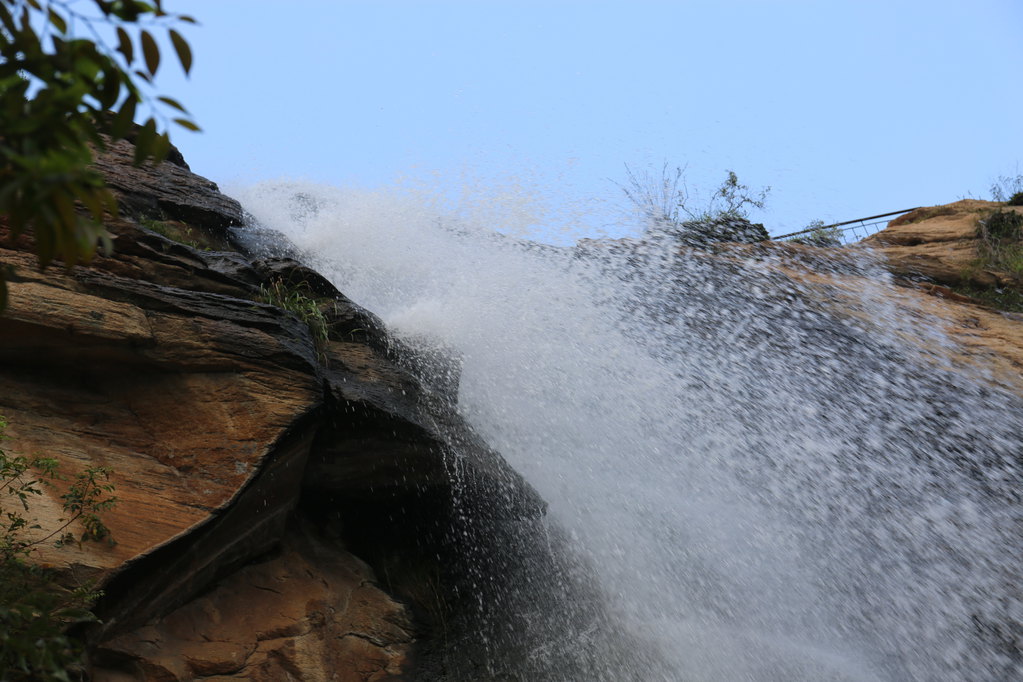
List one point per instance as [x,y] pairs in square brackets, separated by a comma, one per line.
[295,298]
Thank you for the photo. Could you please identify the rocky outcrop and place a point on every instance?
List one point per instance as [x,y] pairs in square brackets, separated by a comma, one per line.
[169,191]
[308,612]
[940,244]
[248,453]
[298,499]
[937,253]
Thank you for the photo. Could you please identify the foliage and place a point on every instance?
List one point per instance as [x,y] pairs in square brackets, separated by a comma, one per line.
[61,97]
[1000,226]
[35,609]
[1000,249]
[820,235]
[732,199]
[295,299]
[1003,299]
[668,198]
[659,200]
[1008,188]
[667,204]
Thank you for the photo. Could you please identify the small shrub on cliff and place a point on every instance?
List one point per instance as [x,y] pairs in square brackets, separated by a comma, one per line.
[296,299]
[35,608]
[1002,299]
[1001,226]
[667,205]
[1008,188]
[820,236]
[1016,199]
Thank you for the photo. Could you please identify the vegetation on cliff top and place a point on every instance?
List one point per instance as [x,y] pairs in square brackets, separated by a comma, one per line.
[1000,246]
[62,96]
[667,204]
[299,300]
[821,235]
[999,251]
[1009,189]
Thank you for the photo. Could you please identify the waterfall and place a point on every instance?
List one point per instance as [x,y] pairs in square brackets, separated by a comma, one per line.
[766,479]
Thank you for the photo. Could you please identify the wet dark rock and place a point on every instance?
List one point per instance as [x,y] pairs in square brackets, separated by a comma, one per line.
[165,192]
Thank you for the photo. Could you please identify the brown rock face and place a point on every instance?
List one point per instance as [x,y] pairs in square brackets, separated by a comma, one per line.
[162,396]
[226,424]
[307,611]
[940,243]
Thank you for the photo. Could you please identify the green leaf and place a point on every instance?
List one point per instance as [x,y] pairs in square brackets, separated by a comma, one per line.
[7,20]
[57,20]
[144,141]
[122,122]
[91,199]
[185,123]
[173,103]
[150,51]
[111,88]
[161,147]
[183,50]
[124,45]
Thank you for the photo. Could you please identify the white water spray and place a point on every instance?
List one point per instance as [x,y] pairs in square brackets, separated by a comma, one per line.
[766,489]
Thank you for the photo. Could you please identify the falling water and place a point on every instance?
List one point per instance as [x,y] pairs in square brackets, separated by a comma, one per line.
[767,480]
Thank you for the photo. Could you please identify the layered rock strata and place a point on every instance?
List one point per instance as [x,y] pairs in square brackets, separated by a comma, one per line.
[940,244]
[247,445]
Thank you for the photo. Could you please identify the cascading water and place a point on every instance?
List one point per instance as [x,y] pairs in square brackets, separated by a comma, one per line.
[765,483]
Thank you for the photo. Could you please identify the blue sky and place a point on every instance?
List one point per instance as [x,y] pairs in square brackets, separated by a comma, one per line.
[845,109]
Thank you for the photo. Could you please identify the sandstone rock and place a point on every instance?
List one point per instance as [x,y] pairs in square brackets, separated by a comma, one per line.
[309,613]
[187,406]
[939,243]
[224,421]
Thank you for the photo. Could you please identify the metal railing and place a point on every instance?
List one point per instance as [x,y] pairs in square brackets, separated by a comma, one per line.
[846,232]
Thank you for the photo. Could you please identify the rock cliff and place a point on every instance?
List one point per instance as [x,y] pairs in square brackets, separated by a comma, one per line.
[298,497]
[940,244]
[251,449]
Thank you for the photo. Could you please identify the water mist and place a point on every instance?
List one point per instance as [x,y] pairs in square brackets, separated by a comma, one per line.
[760,480]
